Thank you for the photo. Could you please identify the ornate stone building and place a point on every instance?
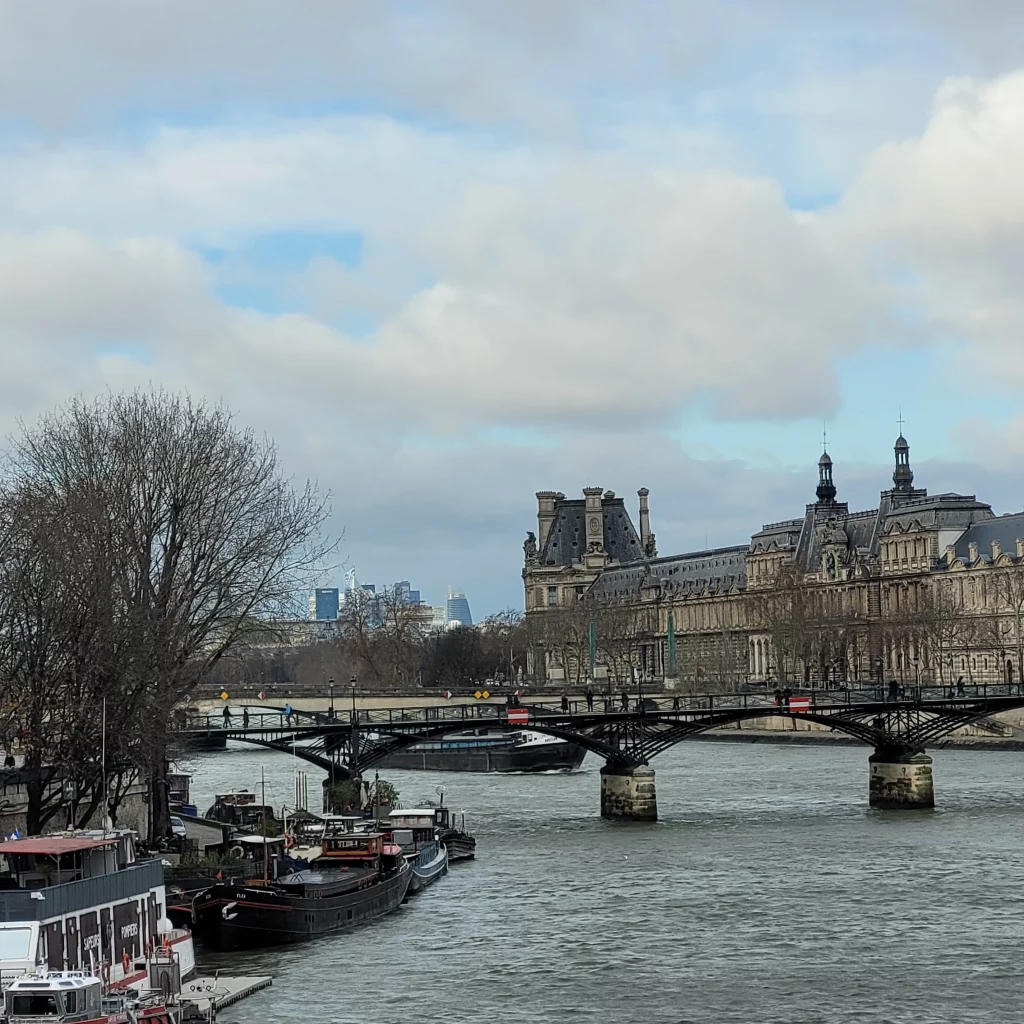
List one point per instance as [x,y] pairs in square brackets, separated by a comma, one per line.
[923,587]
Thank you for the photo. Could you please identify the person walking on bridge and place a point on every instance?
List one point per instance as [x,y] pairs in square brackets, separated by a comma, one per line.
[625,701]
[245,718]
[227,717]
[565,704]
[590,698]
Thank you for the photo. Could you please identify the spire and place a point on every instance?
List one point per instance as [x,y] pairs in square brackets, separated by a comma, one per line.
[903,475]
[826,489]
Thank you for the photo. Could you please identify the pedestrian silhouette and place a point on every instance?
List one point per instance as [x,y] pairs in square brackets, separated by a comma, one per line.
[227,715]
[565,704]
[590,699]
[245,718]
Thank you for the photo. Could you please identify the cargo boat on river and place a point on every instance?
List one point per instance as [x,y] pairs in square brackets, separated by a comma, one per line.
[490,750]
[356,879]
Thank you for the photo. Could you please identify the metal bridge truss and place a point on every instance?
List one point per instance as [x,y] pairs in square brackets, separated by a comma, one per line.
[354,741]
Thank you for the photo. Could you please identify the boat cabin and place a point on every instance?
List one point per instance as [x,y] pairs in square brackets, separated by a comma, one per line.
[41,861]
[240,809]
[412,828]
[351,848]
[53,996]
[254,852]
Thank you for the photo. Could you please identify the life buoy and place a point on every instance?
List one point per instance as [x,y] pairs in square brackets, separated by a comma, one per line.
[237,851]
[126,961]
[289,842]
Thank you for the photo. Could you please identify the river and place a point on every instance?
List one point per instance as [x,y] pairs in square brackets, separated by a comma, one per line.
[768,893]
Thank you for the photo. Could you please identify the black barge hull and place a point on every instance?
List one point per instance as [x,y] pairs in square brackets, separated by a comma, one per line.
[230,917]
[544,757]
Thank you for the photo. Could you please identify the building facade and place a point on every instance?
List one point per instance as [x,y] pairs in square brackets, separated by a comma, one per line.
[457,611]
[921,588]
[324,603]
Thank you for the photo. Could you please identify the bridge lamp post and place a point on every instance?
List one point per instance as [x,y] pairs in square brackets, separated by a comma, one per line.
[330,687]
[917,673]
[352,683]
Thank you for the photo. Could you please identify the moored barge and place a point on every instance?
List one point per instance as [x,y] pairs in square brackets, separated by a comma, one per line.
[355,880]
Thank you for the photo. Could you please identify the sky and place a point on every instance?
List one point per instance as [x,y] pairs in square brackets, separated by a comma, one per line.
[449,254]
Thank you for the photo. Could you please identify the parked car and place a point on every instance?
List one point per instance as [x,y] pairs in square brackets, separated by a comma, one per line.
[177,827]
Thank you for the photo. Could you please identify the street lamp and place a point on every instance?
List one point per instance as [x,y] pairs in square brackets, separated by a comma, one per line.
[352,683]
[330,686]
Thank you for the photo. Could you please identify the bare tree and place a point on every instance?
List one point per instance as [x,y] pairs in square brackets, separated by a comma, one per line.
[191,535]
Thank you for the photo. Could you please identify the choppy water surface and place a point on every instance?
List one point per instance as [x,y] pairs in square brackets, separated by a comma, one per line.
[768,893]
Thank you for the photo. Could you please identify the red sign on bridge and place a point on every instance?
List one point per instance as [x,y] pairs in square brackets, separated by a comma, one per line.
[799,703]
[518,716]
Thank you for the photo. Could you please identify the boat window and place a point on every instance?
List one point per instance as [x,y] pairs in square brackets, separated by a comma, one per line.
[14,943]
[34,1004]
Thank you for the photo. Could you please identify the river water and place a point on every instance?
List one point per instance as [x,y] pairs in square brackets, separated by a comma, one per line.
[767,893]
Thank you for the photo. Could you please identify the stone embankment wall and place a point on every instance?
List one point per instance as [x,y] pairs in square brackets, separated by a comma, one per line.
[133,812]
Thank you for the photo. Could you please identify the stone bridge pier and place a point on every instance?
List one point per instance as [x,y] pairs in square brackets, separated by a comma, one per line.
[628,792]
[900,780]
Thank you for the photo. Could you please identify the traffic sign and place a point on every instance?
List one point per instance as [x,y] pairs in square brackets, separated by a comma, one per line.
[487,694]
[447,694]
[799,703]
[478,694]
[518,716]
[223,694]
[262,695]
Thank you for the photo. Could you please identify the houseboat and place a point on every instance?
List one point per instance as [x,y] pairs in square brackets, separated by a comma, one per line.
[413,828]
[355,879]
[84,901]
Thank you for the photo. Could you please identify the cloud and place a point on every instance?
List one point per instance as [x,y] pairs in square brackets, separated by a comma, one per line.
[624,249]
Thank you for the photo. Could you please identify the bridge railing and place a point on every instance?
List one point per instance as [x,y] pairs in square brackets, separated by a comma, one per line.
[484,712]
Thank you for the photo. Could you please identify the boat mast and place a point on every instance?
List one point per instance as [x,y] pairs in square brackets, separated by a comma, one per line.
[263,800]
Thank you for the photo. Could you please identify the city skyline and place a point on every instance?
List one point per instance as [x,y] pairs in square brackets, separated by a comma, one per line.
[579,246]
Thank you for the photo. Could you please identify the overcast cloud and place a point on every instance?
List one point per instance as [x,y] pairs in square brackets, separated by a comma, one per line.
[448,256]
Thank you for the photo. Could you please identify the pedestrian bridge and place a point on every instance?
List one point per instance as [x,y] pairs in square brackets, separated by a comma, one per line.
[628,733]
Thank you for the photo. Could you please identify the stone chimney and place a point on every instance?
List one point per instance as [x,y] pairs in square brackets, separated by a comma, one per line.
[950,555]
[972,551]
[594,517]
[545,516]
[645,519]
[997,550]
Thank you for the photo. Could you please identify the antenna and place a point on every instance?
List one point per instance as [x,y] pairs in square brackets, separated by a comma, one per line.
[824,436]
[900,421]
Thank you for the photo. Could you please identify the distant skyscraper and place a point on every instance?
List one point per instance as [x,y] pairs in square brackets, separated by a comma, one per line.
[323,604]
[457,609]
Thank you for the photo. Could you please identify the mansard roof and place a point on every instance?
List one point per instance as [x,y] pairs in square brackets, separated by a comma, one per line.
[1005,530]
[567,539]
[714,570]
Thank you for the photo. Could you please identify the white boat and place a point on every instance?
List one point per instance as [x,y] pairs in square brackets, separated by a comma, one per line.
[57,997]
[85,901]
